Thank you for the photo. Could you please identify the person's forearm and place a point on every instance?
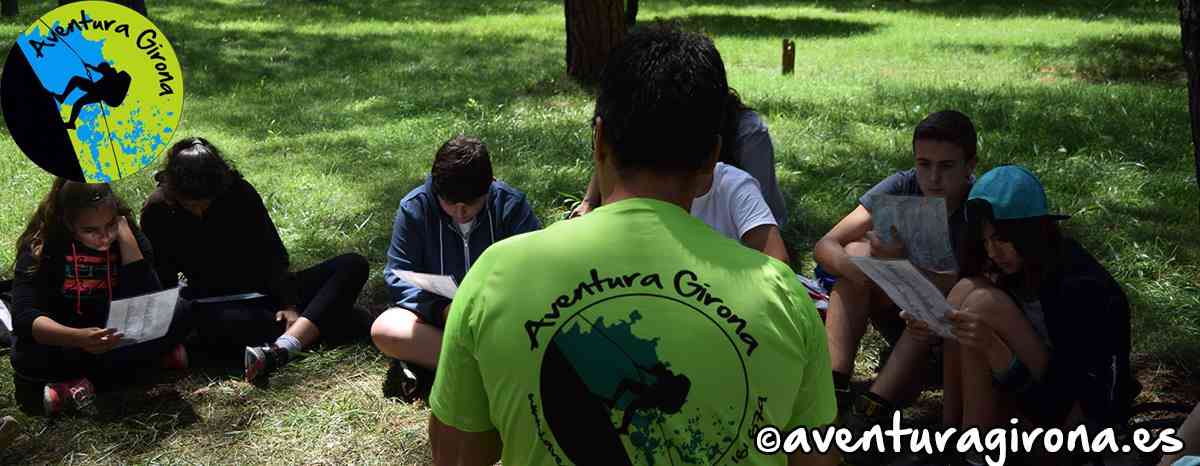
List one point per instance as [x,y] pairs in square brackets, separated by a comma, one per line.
[833,258]
[48,332]
[130,250]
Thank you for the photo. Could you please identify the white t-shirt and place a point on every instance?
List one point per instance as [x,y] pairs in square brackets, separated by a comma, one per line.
[734,204]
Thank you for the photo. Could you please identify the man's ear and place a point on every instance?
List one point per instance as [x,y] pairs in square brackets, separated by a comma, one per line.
[598,145]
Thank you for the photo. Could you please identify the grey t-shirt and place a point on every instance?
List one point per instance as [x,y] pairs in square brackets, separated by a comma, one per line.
[755,155]
[904,183]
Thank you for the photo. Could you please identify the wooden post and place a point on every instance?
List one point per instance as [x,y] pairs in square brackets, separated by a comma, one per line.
[8,7]
[789,56]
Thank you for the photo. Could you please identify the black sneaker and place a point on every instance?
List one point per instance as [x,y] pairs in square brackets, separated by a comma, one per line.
[407,382]
[261,361]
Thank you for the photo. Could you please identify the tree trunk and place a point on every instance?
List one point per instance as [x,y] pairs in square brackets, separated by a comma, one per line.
[1189,20]
[8,7]
[135,5]
[594,28]
[631,14]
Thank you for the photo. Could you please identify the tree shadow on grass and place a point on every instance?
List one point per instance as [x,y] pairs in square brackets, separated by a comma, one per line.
[1119,58]
[765,26]
[1087,10]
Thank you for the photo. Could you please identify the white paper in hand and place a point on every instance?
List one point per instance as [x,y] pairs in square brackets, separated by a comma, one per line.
[143,318]
[921,222]
[442,285]
[910,290]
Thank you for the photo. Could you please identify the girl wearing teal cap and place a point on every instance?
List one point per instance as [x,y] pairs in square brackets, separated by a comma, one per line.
[1040,326]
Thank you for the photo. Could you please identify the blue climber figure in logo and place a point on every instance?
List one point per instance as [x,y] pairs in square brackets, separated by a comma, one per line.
[111,89]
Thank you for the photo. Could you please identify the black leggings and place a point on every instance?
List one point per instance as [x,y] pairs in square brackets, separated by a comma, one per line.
[327,294]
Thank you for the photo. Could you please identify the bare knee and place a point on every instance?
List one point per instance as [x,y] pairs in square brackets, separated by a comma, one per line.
[858,249]
[392,329]
[965,287]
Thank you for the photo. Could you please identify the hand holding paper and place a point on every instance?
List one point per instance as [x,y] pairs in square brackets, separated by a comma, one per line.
[920,222]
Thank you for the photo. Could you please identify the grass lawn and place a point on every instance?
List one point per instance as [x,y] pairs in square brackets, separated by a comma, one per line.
[334,110]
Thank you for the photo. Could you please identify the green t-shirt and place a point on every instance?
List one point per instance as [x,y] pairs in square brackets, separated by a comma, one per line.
[633,335]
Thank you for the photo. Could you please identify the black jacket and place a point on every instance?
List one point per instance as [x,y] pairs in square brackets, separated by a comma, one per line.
[234,248]
[1087,318]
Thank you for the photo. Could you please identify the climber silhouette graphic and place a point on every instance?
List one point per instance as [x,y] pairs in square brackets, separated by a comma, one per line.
[111,88]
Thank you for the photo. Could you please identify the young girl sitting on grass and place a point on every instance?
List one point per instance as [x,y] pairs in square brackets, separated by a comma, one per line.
[1041,328]
[210,225]
[80,251]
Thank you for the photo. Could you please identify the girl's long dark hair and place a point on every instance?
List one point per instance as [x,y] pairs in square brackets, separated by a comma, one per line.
[729,128]
[196,170]
[51,222]
[1038,240]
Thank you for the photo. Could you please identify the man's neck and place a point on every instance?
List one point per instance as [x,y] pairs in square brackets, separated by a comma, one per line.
[670,190]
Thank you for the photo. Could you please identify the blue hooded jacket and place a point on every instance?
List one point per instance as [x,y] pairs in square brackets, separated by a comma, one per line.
[426,240]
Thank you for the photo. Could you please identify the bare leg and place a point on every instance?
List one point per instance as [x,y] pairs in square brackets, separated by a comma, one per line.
[304,330]
[952,403]
[904,374]
[400,334]
[846,318]
[982,403]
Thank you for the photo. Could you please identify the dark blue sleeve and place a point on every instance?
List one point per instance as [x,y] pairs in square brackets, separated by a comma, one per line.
[902,183]
[405,253]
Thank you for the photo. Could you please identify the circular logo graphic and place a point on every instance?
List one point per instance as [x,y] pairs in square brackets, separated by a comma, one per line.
[92,91]
[626,377]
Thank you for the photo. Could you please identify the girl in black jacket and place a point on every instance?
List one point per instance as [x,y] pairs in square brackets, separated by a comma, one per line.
[79,252]
[210,226]
[1039,324]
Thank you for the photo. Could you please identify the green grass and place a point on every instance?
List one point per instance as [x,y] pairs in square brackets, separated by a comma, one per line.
[334,109]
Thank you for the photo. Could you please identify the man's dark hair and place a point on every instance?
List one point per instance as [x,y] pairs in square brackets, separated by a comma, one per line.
[948,126]
[662,100]
[462,170]
[195,170]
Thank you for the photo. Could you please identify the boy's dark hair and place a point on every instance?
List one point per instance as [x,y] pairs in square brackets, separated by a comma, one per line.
[462,170]
[662,99]
[729,128]
[1037,239]
[948,126]
[195,170]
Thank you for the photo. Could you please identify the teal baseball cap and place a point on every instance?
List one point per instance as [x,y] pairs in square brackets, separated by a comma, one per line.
[1013,192]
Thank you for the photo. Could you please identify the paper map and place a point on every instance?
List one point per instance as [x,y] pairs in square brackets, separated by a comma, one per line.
[442,285]
[910,291]
[921,222]
[143,318]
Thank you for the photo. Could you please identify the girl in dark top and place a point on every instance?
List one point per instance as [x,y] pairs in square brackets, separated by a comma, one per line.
[79,252]
[209,225]
[1039,324]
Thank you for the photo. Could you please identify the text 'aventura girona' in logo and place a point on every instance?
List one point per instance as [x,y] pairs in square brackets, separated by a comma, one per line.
[92,91]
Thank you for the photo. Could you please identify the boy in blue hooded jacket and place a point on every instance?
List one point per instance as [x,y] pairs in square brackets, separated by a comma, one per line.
[441,228]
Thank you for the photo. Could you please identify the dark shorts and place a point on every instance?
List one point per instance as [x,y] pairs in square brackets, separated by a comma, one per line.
[429,316]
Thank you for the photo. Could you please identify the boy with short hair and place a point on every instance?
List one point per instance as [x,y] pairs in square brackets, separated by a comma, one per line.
[944,149]
[441,228]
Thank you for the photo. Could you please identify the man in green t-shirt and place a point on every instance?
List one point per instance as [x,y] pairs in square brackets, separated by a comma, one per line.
[636,334]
